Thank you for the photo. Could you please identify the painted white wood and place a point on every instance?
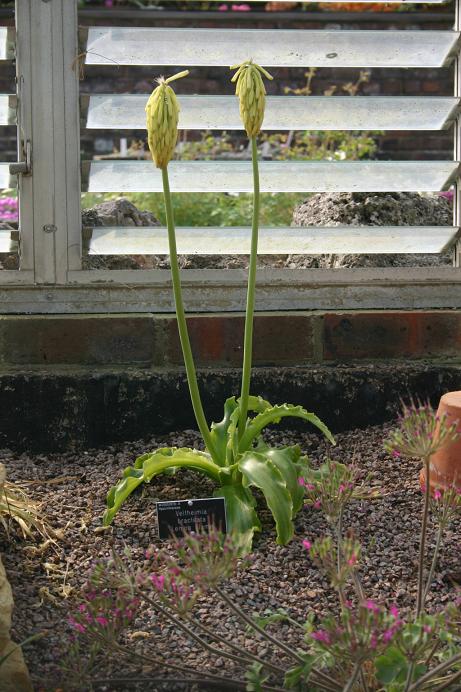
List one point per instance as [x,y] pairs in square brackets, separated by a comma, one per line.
[214,290]
[50,198]
[269,47]
[273,241]
[6,244]
[276,176]
[126,112]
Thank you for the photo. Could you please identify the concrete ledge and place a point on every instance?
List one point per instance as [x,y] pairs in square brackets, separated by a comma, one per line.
[76,408]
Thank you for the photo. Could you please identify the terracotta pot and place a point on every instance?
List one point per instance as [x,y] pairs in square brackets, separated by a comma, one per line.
[445,465]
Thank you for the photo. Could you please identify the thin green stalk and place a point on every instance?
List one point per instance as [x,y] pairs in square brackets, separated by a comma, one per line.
[353,679]
[422,541]
[438,670]
[182,324]
[449,682]
[248,337]
[409,679]
[434,561]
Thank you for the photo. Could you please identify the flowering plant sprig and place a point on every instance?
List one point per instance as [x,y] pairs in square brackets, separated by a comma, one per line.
[420,434]
[234,458]
[332,486]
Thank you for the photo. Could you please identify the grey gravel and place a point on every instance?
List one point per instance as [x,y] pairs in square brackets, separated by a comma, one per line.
[279,576]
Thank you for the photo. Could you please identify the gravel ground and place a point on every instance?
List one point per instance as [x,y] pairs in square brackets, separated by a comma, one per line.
[73,487]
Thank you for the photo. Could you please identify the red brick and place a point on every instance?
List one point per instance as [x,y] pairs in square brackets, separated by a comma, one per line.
[370,335]
[218,340]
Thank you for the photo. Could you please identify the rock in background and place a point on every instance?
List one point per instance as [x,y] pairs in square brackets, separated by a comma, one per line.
[371,209]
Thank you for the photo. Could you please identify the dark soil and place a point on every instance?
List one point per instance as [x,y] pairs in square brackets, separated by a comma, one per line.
[73,486]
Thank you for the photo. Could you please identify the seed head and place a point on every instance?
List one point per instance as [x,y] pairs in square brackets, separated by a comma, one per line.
[162,114]
[252,95]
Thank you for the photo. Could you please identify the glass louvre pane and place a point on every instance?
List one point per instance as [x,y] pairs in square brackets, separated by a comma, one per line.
[6,181]
[5,52]
[126,111]
[273,241]
[7,114]
[6,243]
[290,48]
[286,176]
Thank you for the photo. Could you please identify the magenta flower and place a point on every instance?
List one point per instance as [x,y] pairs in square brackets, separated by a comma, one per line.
[371,605]
[101,620]
[437,494]
[394,611]
[76,625]
[240,8]
[223,8]
[352,560]
[321,636]
[158,581]
[307,544]
[317,504]
[301,481]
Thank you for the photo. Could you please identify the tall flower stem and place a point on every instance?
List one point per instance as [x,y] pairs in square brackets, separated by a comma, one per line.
[249,315]
[434,561]
[181,320]
[422,543]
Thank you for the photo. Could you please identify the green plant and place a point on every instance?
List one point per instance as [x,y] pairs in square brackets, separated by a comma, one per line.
[235,457]
[366,646]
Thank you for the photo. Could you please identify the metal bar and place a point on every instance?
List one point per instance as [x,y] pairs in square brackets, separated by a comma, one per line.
[281,48]
[126,112]
[273,241]
[276,176]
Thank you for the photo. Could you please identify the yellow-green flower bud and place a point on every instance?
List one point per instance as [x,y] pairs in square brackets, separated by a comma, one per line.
[252,95]
[162,114]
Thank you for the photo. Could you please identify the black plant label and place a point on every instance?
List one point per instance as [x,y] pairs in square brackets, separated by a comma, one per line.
[182,516]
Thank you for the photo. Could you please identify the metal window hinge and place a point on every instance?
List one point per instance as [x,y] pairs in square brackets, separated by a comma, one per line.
[23,167]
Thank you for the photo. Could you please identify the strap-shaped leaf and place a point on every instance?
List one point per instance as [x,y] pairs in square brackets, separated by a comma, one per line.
[274,415]
[149,465]
[285,460]
[219,430]
[240,513]
[261,472]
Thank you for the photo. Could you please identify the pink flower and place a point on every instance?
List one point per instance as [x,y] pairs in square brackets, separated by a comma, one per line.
[387,635]
[341,488]
[158,581]
[301,481]
[352,560]
[101,620]
[394,611]
[240,8]
[317,504]
[437,494]
[76,625]
[109,3]
[307,544]
[223,8]
[396,454]
[371,605]
[321,636]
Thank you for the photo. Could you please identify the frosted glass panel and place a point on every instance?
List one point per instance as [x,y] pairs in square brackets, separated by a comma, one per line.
[126,111]
[4,53]
[276,176]
[273,241]
[6,244]
[7,114]
[280,47]
[6,180]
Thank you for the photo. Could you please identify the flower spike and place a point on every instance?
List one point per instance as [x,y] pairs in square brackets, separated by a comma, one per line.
[162,114]
[252,95]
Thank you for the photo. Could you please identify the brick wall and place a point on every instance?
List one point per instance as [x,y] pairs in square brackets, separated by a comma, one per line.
[283,340]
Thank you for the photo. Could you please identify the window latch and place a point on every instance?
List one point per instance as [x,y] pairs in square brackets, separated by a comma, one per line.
[23,167]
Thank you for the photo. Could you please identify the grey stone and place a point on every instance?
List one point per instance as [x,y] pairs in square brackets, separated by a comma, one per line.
[371,209]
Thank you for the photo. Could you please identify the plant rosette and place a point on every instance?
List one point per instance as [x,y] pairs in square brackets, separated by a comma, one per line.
[236,458]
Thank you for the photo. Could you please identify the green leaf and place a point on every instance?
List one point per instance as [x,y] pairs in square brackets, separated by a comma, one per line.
[219,430]
[285,460]
[255,678]
[149,465]
[240,513]
[295,677]
[261,472]
[274,415]
[392,666]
